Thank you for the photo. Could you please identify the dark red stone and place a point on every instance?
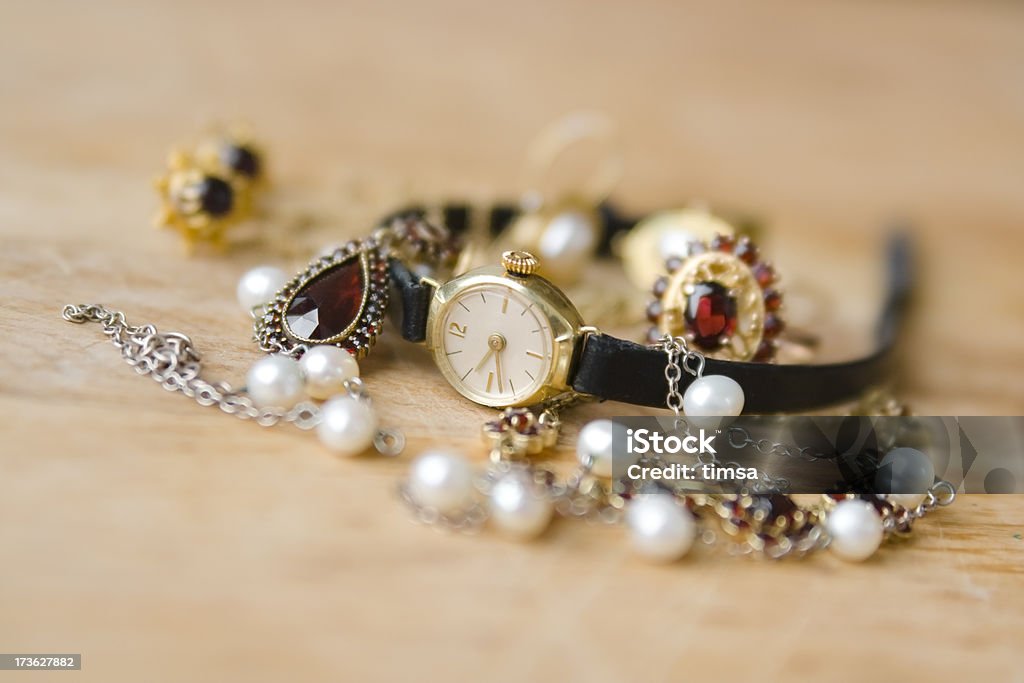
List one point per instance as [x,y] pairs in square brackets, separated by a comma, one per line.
[722,243]
[241,159]
[695,248]
[329,304]
[782,506]
[654,335]
[772,325]
[660,286]
[519,422]
[672,263]
[764,274]
[772,300]
[746,251]
[215,196]
[710,314]
[765,351]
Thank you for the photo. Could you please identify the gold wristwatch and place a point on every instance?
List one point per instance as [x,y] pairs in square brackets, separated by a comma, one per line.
[504,336]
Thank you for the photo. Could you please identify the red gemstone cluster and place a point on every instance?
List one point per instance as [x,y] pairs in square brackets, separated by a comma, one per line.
[766,521]
[517,432]
[710,313]
[420,239]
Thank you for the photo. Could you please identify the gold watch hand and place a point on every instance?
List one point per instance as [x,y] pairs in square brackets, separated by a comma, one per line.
[483,361]
[497,368]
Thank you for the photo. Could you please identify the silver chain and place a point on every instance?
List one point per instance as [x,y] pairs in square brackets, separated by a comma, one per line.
[679,359]
[739,437]
[172,361]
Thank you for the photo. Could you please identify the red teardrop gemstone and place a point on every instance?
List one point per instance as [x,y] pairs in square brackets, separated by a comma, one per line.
[710,314]
[329,304]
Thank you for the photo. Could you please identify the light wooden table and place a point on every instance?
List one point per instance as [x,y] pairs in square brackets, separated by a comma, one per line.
[169,542]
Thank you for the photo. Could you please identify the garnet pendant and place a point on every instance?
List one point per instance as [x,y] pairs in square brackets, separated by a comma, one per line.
[337,299]
[328,305]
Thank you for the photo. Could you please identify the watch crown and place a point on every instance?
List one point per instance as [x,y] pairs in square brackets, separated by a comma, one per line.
[519,263]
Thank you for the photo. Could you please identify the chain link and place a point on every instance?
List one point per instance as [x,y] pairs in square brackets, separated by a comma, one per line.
[679,359]
[739,438]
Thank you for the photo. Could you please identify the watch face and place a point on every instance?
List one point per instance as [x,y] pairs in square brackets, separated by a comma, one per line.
[494,346]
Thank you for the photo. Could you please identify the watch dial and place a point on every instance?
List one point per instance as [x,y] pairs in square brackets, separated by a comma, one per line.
[496,345]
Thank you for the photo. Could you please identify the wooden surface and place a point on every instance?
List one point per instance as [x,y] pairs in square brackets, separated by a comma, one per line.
[164,541]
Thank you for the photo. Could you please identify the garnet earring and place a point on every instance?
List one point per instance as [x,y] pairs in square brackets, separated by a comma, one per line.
[210,188]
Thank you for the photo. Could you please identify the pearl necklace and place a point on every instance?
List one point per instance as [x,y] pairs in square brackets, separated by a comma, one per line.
[520,499]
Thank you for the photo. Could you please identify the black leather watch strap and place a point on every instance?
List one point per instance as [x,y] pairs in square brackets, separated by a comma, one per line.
[620,370]
[410,301]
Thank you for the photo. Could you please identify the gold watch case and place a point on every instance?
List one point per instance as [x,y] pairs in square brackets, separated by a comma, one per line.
[545,299]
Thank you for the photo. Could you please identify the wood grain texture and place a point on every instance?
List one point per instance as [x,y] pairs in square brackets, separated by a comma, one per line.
[168,542]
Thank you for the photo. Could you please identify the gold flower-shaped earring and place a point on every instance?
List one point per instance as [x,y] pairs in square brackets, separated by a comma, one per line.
[205,192]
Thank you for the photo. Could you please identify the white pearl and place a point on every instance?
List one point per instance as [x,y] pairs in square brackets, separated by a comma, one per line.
[594,448]
[443,481]
[566,245]
[712,397]
[259,285]
[347,425]
[675,243]
[905,470]
[326,368]
[275,382]
[517,508]
[856,530]
[660,529]
[906,500]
